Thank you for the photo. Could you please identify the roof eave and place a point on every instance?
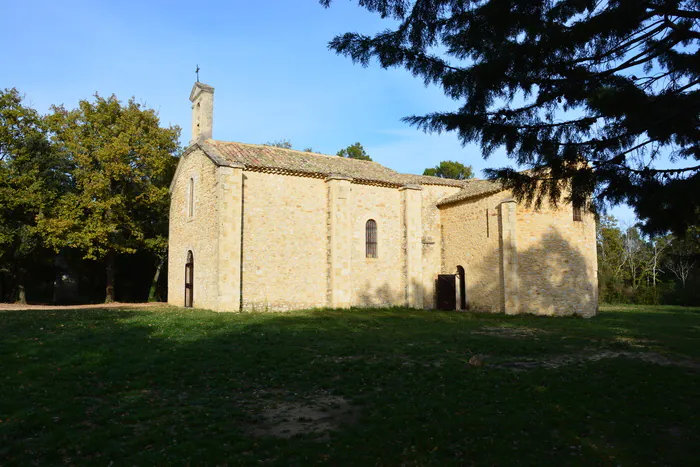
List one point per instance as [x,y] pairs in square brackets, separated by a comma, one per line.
[210,151]
[458,199]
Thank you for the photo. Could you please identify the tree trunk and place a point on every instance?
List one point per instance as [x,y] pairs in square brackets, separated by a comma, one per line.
[21,294]
[154,285]
[109,291]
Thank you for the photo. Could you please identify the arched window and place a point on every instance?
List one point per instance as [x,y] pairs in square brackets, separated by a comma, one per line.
[371,239]
[190,198]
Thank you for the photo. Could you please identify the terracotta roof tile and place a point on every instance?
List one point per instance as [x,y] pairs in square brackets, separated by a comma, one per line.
[254,156]
[474,187]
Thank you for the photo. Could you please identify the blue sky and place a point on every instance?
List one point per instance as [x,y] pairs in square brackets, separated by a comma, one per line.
[268,61]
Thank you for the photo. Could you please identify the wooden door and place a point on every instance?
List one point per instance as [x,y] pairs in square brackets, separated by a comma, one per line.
[446,292]
[189,280]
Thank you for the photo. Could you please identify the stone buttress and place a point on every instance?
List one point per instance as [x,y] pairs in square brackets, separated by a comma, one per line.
[413,245]
[230,200]
[339,241]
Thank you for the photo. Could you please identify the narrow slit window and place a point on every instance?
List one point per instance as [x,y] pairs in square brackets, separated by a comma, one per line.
[487,223]
[577,213]
[371,239]
[190,198]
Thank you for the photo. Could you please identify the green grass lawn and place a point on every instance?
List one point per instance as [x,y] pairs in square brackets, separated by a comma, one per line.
[360,387]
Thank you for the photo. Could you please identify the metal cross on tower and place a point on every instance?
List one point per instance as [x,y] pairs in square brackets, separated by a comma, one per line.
[197,72]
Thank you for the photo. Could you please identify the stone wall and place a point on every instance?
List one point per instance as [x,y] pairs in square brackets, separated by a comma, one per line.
[377,281]
[198,233]
[470,238]
[230,223]
[284,242]
[557,261]
[412,228]
[553,266]
[431,239]
[277,242]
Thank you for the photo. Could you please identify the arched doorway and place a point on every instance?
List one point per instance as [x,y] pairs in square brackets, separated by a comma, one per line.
[462,288]
[189,280]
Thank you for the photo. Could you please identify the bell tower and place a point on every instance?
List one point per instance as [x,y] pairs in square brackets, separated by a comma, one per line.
[202,98]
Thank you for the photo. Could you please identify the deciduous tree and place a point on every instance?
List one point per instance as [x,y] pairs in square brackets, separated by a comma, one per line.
[31,178]
[280,143]
[121,162]
[683,255]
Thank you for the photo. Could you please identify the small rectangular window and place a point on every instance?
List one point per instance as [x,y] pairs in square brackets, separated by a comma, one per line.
[190,198]
[487,223]
[577,213]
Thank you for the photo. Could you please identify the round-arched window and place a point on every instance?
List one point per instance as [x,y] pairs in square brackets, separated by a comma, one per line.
[371,239]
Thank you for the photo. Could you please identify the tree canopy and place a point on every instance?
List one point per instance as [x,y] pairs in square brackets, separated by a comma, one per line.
[31,178]
[633,268]
[450,169]
[592,97]
[121,162]
[354,151]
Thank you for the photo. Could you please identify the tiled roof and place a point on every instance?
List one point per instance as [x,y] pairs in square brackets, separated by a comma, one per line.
[472,188]
[274,159]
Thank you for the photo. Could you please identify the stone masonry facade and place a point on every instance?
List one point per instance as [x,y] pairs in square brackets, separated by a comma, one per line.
[518,260]
[272,230]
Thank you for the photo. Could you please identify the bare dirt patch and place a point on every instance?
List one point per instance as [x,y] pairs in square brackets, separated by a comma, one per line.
[635,341]
[317,415]
[564,360]
[505,331]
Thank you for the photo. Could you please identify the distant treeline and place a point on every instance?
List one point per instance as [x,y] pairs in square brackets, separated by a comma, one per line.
[632,268]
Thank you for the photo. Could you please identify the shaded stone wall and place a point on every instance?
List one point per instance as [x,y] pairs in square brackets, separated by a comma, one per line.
[522,261]
[431,244]
[471,239]
[198,233]
[557,262]
[285,242]
[508,246]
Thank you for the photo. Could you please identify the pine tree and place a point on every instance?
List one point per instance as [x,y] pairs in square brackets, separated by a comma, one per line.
[594,98]
[354,151]
[450,169]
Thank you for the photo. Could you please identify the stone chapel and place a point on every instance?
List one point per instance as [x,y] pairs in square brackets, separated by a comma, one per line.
[263,228]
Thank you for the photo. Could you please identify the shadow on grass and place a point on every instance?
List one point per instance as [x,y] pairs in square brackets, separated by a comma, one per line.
[188,387]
